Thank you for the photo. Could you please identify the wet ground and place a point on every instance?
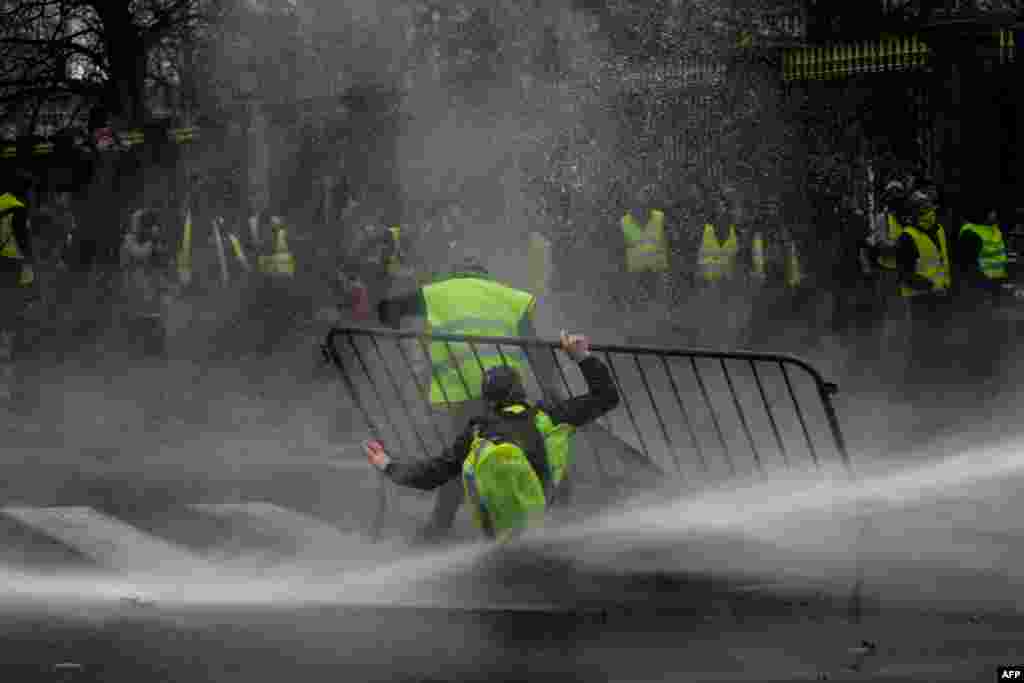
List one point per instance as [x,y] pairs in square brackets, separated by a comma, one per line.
[201,521]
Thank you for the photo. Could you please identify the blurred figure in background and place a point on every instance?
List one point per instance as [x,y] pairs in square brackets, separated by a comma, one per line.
[645,255]
[17,276]
[982,288]
[468,301]
[150,280]
[922,257]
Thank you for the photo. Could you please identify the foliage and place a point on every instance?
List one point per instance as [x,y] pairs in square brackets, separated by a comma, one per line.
[119,54]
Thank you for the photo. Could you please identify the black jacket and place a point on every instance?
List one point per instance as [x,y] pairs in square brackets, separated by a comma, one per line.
[601,397]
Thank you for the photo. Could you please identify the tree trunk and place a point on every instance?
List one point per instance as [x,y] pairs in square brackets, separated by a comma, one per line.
[126,52]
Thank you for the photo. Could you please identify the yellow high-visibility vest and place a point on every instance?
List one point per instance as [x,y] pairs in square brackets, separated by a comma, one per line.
[932,261]
[717,260]
[992,259]
[8,242]
[471,305]
[646,248]
[280,262]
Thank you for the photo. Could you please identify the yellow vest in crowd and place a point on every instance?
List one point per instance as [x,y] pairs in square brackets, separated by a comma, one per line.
[646,248]
[539,263]
[717,260]
[932,261]
[280,261]
[471,304]
[992,259]
[8,242]
[758,263]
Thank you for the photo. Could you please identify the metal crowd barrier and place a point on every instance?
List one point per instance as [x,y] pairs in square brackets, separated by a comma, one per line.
[692,415]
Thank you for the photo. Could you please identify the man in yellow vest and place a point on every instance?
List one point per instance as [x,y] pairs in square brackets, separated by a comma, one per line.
[717,275]
[981,255]
[982,284]
[279,262]
[922,257]
[16,273]
[646,247]
[716,258]
[511,458]
[467,301]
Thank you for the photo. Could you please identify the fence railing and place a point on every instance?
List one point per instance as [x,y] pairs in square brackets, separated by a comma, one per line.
[692,415]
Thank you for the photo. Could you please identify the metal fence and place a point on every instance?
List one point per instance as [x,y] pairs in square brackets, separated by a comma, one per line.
[689,416]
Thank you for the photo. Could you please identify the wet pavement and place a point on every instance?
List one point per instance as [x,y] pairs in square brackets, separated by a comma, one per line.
[249,481]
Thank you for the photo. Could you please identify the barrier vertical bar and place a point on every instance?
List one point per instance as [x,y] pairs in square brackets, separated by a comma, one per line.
[457,364]
[742,415]
[382,483]
[433,373]
[380,399]
[657,413]
[714,415]
[825,392]
[799,414]
[423,392]
[686,415]
[625,403]
[771,416]
[401,398]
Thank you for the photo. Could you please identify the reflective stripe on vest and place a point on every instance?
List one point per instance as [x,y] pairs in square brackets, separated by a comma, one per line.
[8,241]
[646,249]
[471,306]
[758,263]
[932,261]
[717,260]
[992,259]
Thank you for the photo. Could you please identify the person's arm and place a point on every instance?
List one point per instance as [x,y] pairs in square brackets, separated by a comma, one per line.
[426,474]
[391,311]
[602,395]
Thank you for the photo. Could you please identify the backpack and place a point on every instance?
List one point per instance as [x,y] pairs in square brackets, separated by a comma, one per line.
[506,475]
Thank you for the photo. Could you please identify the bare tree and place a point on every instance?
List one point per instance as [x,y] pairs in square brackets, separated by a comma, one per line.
[111,53]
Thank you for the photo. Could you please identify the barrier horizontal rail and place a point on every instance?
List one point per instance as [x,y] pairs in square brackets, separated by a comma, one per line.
[692,414]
